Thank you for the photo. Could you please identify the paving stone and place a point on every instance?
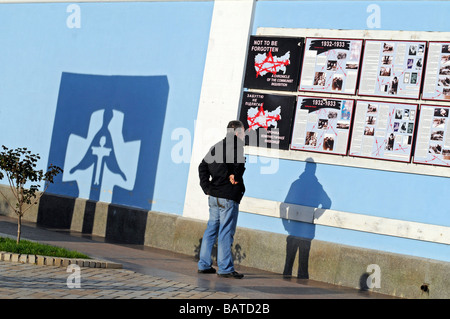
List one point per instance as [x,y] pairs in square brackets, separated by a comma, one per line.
[31,259]
[38,281]
[48,261]
[65,262]
[40,260]
[57,261]
[6,256]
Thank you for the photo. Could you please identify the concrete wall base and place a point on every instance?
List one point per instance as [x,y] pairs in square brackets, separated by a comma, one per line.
[365,269]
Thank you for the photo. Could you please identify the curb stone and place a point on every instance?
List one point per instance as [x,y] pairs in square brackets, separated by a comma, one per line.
[56,261]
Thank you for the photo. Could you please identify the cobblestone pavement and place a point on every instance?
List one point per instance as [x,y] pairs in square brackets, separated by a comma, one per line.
[28,281]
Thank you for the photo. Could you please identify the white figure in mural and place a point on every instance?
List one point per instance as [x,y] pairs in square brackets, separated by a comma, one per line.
[103,159]
[100,151]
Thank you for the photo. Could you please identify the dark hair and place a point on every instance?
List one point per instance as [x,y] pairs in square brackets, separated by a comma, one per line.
[235,124]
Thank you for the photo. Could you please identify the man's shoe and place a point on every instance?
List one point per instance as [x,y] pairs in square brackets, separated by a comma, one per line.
[233,274]
[207,271]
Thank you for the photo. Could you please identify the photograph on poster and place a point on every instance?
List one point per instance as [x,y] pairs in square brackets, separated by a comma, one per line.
[273,63]
[330,65]
[267,119]
[437,72]
[322,125]
[433,137]
[392,68]
[383,130]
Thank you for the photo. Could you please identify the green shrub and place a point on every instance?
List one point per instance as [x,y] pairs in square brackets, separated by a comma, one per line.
[33,248]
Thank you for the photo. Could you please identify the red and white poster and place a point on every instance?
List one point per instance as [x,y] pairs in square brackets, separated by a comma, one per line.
[273,63]
[322,125]
[433,136]
[392,68]
[267,119]
[331,65]
[383,130]
[436,84]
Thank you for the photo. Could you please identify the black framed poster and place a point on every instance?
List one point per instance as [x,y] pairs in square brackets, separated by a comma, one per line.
[383,130]
[322,125]
[433,136]
[392,68]
[273,63]
[267,119]
[331,65]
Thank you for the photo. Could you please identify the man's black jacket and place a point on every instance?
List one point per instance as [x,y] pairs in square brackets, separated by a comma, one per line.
[224,159]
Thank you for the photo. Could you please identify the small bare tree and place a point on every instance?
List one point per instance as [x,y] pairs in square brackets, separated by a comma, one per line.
[19,166]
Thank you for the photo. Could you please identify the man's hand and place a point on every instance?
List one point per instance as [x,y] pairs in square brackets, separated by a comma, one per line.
[232,180]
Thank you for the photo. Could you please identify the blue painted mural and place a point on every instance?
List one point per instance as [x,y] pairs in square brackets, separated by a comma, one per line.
[107,137]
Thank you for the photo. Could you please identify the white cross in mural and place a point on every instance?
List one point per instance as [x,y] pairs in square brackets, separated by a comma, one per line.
[102,160]
[100,151]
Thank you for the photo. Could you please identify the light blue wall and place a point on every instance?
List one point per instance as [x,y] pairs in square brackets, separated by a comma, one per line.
[353,15]
[409,197]
[163,40]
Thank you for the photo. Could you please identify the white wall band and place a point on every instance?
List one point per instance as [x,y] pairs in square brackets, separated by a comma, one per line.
[339,219]
[221,90]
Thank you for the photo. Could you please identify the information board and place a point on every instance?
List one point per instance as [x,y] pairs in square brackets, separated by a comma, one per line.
[383,130]
[273,63]
[322,125]
[392,68]
[330,65]
[267,119]
[433,136]
[436,84]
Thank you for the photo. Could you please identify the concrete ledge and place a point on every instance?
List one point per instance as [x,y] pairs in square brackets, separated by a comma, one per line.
[399,275]
[56,261]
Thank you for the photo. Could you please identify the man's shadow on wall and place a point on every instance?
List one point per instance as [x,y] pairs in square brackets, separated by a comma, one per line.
[305,191]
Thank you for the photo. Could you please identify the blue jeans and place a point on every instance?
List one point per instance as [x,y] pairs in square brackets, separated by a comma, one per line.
[223,214]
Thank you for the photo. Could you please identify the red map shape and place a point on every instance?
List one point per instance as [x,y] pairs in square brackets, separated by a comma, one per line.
[254,124]
[272,65]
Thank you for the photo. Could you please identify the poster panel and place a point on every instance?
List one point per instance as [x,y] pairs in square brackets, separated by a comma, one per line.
[433,136]
[383,130]
[322,125]
[436,84]
[267,119]
[392,68]
[330,65]
[273,63]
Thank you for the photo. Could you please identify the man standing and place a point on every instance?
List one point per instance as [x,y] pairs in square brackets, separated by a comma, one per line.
[221,178]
